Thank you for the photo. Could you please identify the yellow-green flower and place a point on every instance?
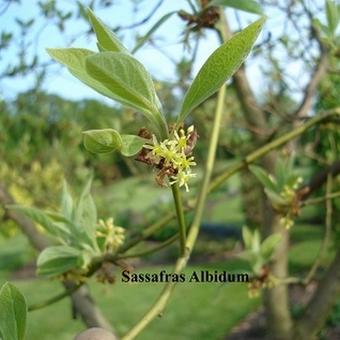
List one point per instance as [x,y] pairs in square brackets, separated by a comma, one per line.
[170,154]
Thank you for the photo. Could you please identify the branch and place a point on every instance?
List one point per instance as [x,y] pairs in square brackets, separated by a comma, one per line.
[318,180]
[143,21]
[262,151]
[311,89]
[318,200]
[54,299]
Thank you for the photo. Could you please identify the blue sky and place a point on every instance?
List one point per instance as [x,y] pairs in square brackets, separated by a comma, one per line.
[61,82]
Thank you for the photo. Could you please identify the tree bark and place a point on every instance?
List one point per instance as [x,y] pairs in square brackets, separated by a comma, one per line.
[321,303]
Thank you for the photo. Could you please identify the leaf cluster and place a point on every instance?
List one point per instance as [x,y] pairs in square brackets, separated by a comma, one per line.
[258,253]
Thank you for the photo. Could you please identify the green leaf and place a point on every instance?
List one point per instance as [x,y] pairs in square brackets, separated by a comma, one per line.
[282,172]
[118,76]
[102,141]
[108,140]
[74,59]
[276,200]
[247,237]
[332,15]
[250,6]
[106,38]
[56,260]
[247,255]
[128,82]
[86,213]
[269,244]
[13,313]
[263,177]
[219,67]
[131,145]
[256,241]
[66,203]
[43,219]
[149,33]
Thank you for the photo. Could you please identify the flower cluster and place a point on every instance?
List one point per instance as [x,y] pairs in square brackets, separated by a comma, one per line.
[110,237]
[173,157]
[257,284]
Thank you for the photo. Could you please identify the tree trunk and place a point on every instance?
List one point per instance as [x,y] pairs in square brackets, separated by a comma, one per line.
[320,304]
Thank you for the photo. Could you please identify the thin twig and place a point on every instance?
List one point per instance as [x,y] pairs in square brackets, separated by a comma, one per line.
[55,298]
[163,299]
[161,246]
[318,200]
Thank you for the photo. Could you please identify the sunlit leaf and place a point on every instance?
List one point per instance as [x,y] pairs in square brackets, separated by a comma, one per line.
[219,67]
[74,59]
[250,6]
[128,82]
[106,38]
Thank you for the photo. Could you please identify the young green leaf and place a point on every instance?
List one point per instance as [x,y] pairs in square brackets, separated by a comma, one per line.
[86,213]
[66,204]
[269,244]
[247,237]
[131,145]
[13,313]
[277,201]
[108,140]
[102,141]
[256,241]
[74,60]
[56,260]
[42,218]
[128,82]
[250,6]
[106,38]
[266,180]
[219,67]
